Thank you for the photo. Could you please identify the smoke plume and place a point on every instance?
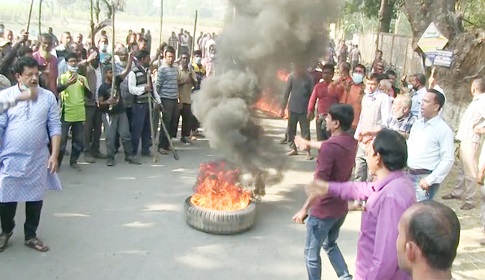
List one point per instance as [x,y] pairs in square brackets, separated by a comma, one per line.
[260,38]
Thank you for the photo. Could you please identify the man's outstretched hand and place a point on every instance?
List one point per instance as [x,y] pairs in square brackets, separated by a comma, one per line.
[316,188]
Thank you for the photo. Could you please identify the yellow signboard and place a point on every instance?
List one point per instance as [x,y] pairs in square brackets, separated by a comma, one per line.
[432,39]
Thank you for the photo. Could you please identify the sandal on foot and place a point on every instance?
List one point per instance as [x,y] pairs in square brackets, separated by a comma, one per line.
[36,244]
[4,237]
[163,151]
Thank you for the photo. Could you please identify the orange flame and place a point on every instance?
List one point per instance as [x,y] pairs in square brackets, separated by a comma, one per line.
[268,104]
[217,188]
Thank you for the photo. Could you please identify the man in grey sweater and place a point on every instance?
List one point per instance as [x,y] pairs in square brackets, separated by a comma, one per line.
[167,88]
[297,95]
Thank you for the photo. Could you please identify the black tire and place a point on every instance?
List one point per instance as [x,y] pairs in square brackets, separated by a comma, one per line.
[219,222]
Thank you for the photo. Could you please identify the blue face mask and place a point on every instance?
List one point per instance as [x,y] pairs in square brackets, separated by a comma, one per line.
[357,78]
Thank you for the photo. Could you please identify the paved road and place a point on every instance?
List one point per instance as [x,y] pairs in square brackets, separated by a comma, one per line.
[127,222]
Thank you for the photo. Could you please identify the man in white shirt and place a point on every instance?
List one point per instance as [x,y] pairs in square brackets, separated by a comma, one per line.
[376,110]
[431,148]
[141,88]
[469,146]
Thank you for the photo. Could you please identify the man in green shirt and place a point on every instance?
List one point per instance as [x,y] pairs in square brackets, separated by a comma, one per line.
[74,89]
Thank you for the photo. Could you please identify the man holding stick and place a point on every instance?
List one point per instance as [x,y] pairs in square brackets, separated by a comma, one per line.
[167,87]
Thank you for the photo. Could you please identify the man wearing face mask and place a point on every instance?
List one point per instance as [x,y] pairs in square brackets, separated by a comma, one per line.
[209,61]
[27,168]
[92,125]
[77,49]
[355,93]
[73,112]
[103,48]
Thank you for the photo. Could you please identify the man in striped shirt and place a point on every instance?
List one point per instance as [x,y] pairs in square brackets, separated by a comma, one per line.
[167,88]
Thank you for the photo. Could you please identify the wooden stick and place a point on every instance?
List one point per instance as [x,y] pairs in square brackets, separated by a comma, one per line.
[113,92]
[161,22]
[30,14]
[194,36]
[92,25]
[40,17]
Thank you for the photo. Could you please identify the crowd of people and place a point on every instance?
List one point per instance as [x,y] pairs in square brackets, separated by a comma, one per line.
[55,90]
[390,140]
[389,136]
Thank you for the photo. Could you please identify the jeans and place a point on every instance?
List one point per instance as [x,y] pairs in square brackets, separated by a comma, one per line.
[324,233]
[170,116]
[321,129]
[293,120]
[421,194]
[77,129]
[92,129]
[140,128]
[118,125]
[187,118]
[32,217]
[361,173]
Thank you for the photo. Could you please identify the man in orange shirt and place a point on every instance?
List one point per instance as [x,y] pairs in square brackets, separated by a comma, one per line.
[355,93]
[345,79]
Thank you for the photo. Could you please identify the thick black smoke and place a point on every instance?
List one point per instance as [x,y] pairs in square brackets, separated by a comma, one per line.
[261,38]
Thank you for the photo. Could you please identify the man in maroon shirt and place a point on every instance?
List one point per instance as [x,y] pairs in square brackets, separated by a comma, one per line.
[334,163]
[327,93]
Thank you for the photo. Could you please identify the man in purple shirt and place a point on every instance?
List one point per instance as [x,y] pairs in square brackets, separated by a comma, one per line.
[334,163]
[429,234]
[387,199]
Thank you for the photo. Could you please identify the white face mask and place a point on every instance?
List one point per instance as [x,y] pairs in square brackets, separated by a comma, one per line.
[357,78]
[103,47]
[23,87]
[72,68]
[198,60]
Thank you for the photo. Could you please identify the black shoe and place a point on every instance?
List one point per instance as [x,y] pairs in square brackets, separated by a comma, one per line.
[146,154]
[132,160]
[185,141]
[99,155]
[283,141]
[110,162]
[76,166]
[4,237]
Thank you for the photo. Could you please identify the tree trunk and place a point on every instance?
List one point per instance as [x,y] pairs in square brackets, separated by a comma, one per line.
[468,48]
[385,15]
[97,11]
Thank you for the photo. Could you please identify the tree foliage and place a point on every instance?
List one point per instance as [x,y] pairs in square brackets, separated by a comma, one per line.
[472,12]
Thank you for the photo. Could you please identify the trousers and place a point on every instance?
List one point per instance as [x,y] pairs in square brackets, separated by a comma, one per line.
[33,210]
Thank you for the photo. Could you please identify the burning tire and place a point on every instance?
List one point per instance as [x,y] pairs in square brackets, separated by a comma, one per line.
[219,222]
